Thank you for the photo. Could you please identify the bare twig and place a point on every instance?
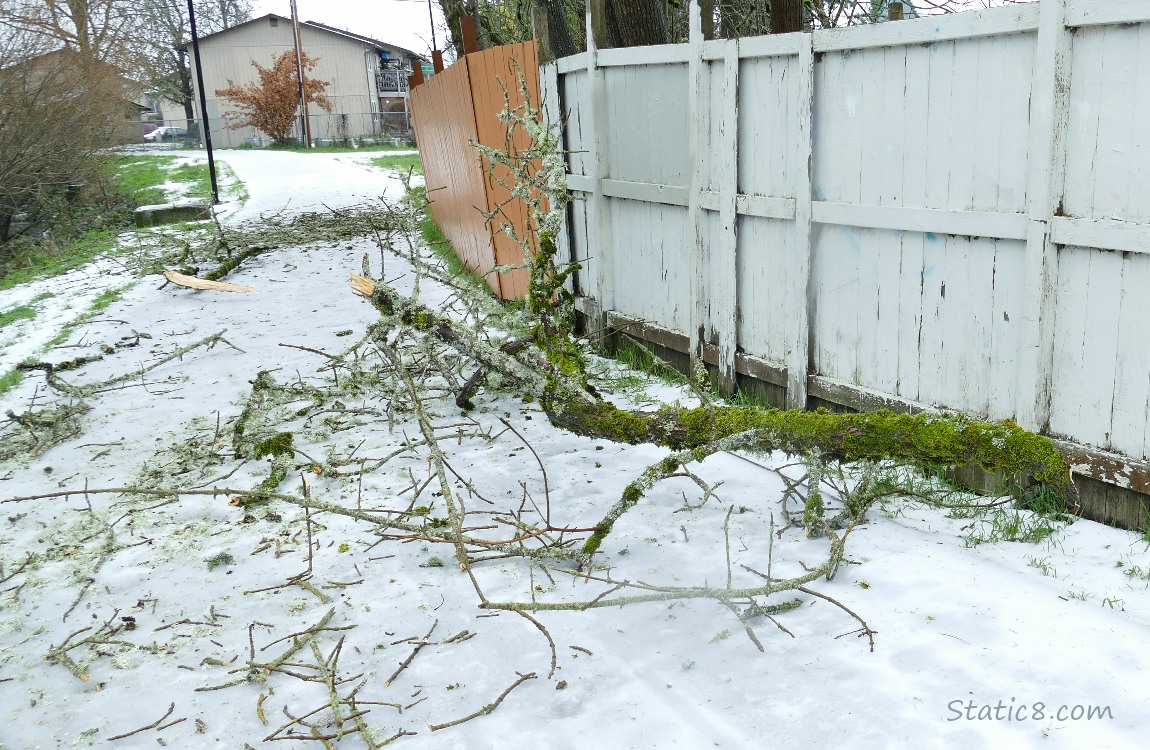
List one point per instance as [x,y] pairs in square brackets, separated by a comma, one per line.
[486,709]
[866,628]
[550,641]
[408,660]
[154,725]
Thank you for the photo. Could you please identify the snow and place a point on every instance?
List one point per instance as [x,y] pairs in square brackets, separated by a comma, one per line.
[953,625]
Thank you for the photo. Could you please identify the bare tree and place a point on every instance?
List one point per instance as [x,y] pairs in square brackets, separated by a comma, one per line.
[168,32]
[106,30]
[59,108]
[145,39]
[827,14]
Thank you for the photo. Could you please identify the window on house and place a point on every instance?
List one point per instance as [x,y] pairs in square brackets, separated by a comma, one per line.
[275,21]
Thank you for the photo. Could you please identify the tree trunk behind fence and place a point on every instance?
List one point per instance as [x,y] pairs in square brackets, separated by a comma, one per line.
[638,22]
[559,39]
[786,16]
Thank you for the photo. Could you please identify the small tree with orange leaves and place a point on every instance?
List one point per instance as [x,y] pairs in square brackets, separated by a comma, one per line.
[272,104]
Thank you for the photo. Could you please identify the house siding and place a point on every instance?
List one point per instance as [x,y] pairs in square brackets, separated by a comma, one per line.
[348,66]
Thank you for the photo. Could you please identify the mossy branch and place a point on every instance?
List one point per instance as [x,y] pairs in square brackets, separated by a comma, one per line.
[918,439]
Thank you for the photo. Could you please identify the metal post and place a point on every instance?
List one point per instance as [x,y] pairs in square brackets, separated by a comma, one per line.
[207,131]
[306,132]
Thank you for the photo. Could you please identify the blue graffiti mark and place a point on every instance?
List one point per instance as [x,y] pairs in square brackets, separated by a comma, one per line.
[819,194]
[851,238]
[932,236]
[927,271]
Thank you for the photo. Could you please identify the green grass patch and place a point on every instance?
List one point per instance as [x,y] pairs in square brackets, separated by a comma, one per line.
[235,190]
[222,560]
[437,241]
[105,300]
[130,181]
[639,358]
[138,178]
[102,302]
[23,312]
[47,257]
[10,380]
[401,163]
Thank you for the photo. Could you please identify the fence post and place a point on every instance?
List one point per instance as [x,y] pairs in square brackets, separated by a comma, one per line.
[724,286]
[798,338]
[1044,186]
[707,18]
[699,123]
[598,230]
[467,32]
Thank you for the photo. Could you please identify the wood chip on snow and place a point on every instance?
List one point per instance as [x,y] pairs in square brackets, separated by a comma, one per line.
[191,282]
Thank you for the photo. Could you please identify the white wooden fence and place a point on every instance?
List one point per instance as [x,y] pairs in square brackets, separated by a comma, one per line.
[945,212]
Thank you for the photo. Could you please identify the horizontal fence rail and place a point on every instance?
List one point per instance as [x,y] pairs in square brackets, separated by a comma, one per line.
[950,212]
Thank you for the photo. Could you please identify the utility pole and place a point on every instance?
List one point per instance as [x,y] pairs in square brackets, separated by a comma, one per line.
[204,128]
[306,129]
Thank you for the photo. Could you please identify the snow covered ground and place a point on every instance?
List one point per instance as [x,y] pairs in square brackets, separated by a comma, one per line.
[1002,645]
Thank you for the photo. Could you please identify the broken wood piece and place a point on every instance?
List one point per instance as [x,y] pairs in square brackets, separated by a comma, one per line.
[191,282]
[362,285]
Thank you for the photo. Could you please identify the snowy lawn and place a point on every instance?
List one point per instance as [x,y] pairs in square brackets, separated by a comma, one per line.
[121,612]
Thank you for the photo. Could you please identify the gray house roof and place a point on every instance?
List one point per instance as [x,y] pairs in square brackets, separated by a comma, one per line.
[365,39]
[378,44]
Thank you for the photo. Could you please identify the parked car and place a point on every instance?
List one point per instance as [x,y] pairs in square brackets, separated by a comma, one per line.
[166,133]
[147,127]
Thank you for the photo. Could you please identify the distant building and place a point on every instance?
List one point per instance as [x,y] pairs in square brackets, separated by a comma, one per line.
[65,74]
[367,78]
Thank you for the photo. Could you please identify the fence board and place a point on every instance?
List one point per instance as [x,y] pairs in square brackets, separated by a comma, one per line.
[910,312]
[488,69]
[1104,153]
[767,142]
[455,108]
[765,249]
[573,116]
[930,30]
[1132,367]
[1086,351]
[1005,320]
[655,282]
[451,168]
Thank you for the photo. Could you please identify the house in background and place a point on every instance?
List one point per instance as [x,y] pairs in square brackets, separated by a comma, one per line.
[367,79]
[65,74]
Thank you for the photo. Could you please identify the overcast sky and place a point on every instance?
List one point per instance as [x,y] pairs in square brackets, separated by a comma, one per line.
[400,22]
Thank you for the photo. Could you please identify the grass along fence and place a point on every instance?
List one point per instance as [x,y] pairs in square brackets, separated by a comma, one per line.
[947,212]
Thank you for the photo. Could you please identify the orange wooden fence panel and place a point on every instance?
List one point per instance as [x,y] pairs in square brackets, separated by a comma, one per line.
[449,112]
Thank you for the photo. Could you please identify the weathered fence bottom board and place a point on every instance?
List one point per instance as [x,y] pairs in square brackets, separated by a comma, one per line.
[1113,489]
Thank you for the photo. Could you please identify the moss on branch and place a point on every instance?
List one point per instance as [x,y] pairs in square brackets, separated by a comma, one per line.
[924,439]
